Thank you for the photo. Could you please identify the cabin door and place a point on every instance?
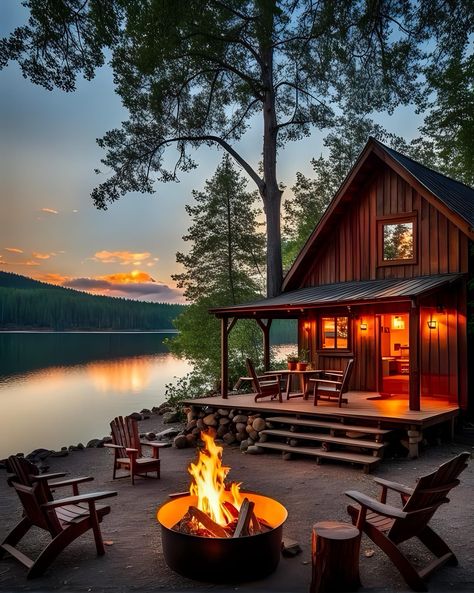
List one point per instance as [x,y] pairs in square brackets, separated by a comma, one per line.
[394,354]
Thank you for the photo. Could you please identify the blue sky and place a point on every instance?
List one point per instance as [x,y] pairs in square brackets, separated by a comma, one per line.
[49,228]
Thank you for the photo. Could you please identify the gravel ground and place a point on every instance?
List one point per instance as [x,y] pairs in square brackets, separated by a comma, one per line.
[311,493]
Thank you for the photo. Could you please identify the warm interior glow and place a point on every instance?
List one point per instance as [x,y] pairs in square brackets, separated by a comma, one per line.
[398,322]
[208,482]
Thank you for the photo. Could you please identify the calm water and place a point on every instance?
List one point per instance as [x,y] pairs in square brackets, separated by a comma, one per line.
[58,389]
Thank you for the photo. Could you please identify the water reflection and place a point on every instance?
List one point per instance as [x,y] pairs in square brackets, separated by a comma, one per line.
[61,389]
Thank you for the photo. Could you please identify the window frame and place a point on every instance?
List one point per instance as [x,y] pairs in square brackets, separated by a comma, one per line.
[397,219]
[339,351]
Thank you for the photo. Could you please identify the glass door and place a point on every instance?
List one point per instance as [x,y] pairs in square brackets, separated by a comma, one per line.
[394,354]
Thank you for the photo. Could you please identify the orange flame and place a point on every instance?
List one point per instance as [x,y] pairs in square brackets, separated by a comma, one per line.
[208,483]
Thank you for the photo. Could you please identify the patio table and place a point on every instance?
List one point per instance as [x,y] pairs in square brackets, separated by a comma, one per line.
[303,379]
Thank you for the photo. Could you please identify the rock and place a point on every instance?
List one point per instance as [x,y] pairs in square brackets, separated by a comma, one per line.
[255,450]
[210,420]
[171,416]
[244,445]
[240,418]
[135,416]
[223,412]
[222,430]
[263,438]
[240,427]
[95,443]
[253,434]
[168,433]
[80,447]
[241,436]
[146,412]
[150,436]
[36,454]
[190,425]
[164,410]
[180,442]
[287,456]
[107,439]
[192,440]
[224,420]
[200,424]
[259,424]
[63,453]
[228,438]
[195,431]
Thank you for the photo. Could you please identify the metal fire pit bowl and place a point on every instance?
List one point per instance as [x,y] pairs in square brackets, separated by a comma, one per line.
[219,560]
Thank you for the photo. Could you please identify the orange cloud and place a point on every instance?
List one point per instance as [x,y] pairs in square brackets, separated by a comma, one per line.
[122,257]
[13,250]
[38,255]
[52,278]
[134,277]
[31,262]
[49,211]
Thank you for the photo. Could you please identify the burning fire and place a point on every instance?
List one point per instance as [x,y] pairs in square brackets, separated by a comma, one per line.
[209,485]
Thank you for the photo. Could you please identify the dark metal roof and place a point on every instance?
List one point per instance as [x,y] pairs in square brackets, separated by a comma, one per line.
[393,289]
[455,195]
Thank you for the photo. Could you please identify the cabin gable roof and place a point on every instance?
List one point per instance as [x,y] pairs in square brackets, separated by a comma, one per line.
[452,198]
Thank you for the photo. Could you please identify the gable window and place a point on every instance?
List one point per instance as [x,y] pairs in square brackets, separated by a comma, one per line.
[334,333]
[397,240]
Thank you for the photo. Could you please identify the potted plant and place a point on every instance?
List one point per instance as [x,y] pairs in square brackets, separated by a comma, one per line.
[303,360]
[292,360]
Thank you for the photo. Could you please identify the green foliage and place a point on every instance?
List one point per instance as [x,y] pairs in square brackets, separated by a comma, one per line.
[222,267]
[192,385]
[31,304]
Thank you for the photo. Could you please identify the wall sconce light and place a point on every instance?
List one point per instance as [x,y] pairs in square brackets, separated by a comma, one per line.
[398,322]
[363,326]
[307,326]
[432,324]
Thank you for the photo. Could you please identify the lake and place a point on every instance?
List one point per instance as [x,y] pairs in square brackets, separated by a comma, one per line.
[59,389]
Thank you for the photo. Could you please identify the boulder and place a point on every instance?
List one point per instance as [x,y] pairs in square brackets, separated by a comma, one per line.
[222,430]
[95,443]
[180,442]
[244,445]
[240,426]
[240,418]
[135,416]
[192,439]
[63,453]
[168,433]
[210,420]
[224,420]
[190,425]
[223,412]
[200,424]
[228,438]
[255,450]
[171,416]
[150,436]
[36,454]
[259,424]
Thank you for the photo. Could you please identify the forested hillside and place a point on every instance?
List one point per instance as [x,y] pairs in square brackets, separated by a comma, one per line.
[27,303]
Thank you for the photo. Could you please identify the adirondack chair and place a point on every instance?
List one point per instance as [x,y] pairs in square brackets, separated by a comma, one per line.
[128,449]
[332,385]
[65,519]
[387,526]
[265,385]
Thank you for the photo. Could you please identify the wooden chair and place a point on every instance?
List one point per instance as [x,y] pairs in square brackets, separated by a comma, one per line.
[265,385]
[128,449]
[332,385]
[387,526]
[64,519]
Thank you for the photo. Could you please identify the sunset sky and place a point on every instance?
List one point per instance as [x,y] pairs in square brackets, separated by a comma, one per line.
[49,228]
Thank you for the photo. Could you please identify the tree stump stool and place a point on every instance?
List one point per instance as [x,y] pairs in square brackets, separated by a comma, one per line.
[334,557]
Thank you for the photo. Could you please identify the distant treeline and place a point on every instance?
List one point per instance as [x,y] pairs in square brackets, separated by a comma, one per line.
[27,303]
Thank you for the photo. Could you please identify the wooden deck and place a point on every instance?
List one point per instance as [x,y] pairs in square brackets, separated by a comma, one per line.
[392,412]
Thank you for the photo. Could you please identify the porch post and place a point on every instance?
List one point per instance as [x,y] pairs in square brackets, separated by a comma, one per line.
[224,358]
[265,327]
[414,343]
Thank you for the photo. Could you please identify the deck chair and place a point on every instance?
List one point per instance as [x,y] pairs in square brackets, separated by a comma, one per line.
[265,385]
[332,385]
[128,449]
[388,526]
[65,519]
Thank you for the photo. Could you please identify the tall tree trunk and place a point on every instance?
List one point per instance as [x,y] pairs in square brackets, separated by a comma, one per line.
[271,194]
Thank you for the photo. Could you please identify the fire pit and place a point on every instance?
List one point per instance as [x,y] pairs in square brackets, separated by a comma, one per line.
[218,533]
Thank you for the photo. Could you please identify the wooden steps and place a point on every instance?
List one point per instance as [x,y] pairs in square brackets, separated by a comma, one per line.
[367,461]
[325,438]
[338,443]
[329,425]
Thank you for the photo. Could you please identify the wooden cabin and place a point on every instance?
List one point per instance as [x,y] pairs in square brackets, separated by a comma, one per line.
[382,279]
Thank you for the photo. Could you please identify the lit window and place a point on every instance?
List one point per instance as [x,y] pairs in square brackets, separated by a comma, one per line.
[334,333]
[398,241]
